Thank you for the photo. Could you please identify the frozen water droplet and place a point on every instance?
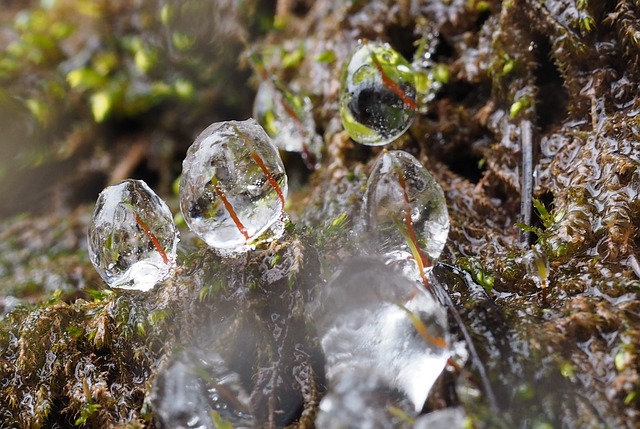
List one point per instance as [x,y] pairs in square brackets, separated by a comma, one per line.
[361,400]
[196,389]
[233,186]
[448,418]
[377,95]
[370,318]
[537,264]
[429,77]
[132,238]
[404,206]
[288,120]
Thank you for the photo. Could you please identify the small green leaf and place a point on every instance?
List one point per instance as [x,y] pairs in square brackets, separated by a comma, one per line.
[567,370]
[84,78]
[327,56]
[219,422]
[441,73]
[86,412]
[74,331]
[101,105]
[166,13]
[631,397]
[184,89]
[145,59]
[104,63]
[293,58]
[622,359]
[38,109]
[61,30]
[181,41]
[508,66]
[515,108]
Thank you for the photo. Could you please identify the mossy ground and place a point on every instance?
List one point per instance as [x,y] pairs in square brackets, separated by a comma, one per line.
[560,77]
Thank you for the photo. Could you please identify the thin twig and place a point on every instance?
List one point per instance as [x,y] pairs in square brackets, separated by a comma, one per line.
[445,299]
[129,162]
[526,182]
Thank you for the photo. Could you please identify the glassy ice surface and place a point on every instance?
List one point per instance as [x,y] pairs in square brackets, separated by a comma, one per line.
[377,95]
[233,186]
[427,76]
[132,238]
[361,400]
[197,390]
[372,319]
[448,418]
[288,120]
[537,264]
[404,205]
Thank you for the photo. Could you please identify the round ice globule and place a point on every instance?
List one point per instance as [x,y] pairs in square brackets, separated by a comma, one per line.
[288,120]
[404,206]
[377,95]
[233,186]
[132,238]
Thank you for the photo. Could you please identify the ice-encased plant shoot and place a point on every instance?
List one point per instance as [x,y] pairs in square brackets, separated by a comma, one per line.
[132,238]
[377,95]
[233,186]
[287,117]
[375,322]
[404,207]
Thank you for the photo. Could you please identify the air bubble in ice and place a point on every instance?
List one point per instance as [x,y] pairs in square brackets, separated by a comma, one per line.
[367,319]
[132,238]
[404,206]
[377,95]
[233,186]
[288,120]
[196,389]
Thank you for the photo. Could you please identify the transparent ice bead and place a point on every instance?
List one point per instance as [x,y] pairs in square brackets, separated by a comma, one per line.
[362,400]
[233,187]
[403,203]
[197,390]
[377,95]
[366,319]
[132,238]
[288,119]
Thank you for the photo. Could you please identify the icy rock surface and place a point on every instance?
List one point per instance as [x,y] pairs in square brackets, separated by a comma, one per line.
[233,186]
[198,391]
[132,238]
[377,95]
[288,120]
[364,320]
[404,205]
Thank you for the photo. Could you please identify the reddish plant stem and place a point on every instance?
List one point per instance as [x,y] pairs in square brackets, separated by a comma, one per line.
[423,260]
[262,166]
[270,178]
[389,83]
[230,210]
[153,238]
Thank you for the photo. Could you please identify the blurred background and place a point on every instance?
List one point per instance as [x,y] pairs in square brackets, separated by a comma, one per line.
[92,92]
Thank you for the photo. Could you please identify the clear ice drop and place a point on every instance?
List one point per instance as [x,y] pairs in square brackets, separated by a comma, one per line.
[132,238]
[404,207]
[361,400]
[233,186]
[288,120]
[196,389]
[377,95]
[372,319]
